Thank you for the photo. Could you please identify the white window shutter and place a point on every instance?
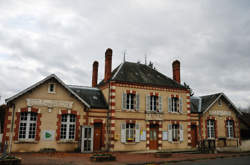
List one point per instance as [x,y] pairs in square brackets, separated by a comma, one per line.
[124,101]
[170,133]
[169,104]
[181,132]
[160,103]
[137,102]
[147,103]
[180,105]
[123,132]
[137,133]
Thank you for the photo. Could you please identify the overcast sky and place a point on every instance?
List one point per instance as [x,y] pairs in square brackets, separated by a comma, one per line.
[211,38]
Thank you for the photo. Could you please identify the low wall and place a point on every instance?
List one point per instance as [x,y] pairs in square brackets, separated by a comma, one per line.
[245,145]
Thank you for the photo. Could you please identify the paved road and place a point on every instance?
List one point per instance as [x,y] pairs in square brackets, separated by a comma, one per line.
[219,161]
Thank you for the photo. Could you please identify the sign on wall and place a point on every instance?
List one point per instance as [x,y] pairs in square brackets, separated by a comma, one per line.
[220,113]
[164,135]
[50,103]
[143,135]
[48,135]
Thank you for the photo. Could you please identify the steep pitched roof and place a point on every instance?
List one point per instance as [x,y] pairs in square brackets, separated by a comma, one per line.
[93,96]
[209,100]
[195,104]
[52,76]
[245,117]
[141,74]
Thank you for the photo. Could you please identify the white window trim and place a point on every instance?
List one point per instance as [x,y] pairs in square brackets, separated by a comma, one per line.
[129,96]
[154,104]
[175,131]
[229,133]
[209,126]
[68,123]
[27,128]
[173,101]
[54,88]
[128,130]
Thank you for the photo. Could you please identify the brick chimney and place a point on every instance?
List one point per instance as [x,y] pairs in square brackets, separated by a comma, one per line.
[95,74]
[176,71]
[108,64]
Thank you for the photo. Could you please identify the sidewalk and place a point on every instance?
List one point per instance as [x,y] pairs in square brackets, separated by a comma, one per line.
[122,158]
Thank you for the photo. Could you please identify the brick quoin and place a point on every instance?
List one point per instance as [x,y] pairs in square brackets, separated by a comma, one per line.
[5,131]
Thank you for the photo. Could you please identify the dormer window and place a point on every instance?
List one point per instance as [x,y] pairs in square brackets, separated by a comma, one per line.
[52,88]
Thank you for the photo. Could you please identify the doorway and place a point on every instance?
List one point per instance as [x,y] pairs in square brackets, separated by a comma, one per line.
[98,136]
[153,136]
[194,135]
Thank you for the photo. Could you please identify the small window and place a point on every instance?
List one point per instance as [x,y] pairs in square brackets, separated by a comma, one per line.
[52,88]
[219,102]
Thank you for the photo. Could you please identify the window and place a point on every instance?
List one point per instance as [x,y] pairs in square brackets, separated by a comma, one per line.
[174,104]
[210,128]
[230,128]
[51,88]
[130,132]
[175,132]
[153,103]
[27,128]
[219,102]
[68,127]
[130,101]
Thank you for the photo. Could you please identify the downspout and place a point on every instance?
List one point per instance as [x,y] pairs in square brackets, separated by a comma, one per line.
[12,126]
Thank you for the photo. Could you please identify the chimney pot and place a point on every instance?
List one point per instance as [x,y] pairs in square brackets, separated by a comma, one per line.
[95,74]
[176,71]
[108,64]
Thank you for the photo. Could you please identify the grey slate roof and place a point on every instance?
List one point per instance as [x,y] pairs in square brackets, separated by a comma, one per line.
[141,74]
[207,100]
[93,96]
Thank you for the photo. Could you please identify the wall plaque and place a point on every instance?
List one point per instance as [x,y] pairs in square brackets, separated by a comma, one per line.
[220,113]
[154,116]
[50,103]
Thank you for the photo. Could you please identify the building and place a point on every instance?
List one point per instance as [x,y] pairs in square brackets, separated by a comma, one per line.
[2,115]
[219,120]
[134,108]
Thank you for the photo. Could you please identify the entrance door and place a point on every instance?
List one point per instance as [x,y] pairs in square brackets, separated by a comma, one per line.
[87,139]
[194,135]
[97,136]
[153,137]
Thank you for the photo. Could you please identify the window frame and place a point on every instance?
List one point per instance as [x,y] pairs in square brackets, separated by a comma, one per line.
[175,132]
[25,133]
[211,129]
[54,88]
[130,132]
[67,126]
[154,103]
[130,101]
[175,101]
[230,128]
